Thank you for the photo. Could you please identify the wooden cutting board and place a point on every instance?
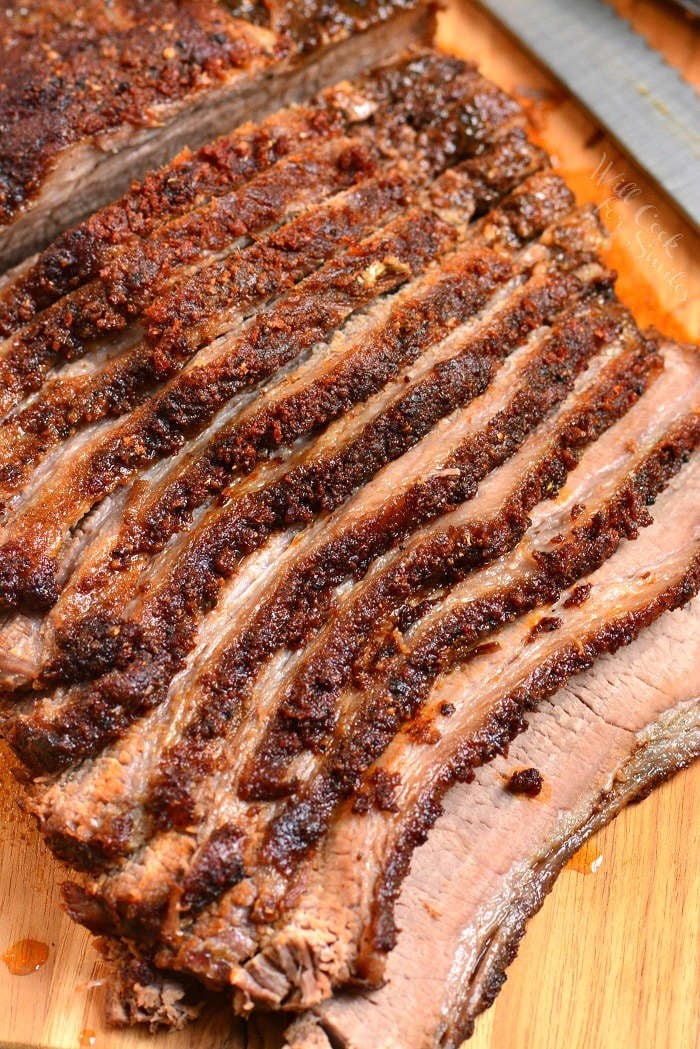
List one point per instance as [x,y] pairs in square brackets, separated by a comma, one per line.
[613,959]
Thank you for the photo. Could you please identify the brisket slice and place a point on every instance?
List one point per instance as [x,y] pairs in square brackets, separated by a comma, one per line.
[425,88]
[164,76]
[299,961]
[600,743]
[78,400]
[186,405]
[96,315]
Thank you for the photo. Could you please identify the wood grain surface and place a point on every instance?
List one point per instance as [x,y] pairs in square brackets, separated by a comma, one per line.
[613,959]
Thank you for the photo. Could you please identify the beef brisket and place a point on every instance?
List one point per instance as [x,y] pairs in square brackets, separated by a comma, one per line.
[599,744]
[93,97]
[323,943]
[328,455]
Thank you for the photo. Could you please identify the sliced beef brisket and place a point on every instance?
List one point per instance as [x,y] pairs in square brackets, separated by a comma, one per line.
[605,740]
[322,941]
[328,454]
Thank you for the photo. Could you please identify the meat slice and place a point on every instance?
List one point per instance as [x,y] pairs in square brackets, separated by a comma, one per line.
[563,541]
[99,458]
[411,110]
[94,99]
[438,473]
[600,743]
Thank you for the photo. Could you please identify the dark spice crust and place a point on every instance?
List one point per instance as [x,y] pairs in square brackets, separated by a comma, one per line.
[532,307]
[300,602]
[503,724]
[410,329]
[450,298]
[586,547]
[454,383]
[485,108]
[307,714]
[76,324]
[312,23]
[313,488]
[603,398]
[270,266]
[101,715]
[353,383]
[133,284]
[77,255]
[294,831]
[214,554]
[86,82]
[140,272]
[525,781]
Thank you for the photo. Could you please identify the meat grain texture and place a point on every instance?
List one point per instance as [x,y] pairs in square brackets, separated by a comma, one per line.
[333,476]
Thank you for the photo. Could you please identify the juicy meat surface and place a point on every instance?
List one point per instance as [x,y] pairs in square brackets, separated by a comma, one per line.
[328,454]
[94,95]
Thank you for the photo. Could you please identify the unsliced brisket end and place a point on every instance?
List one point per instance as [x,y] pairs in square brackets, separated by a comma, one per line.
[491,857]
[91,102]
[140,994]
